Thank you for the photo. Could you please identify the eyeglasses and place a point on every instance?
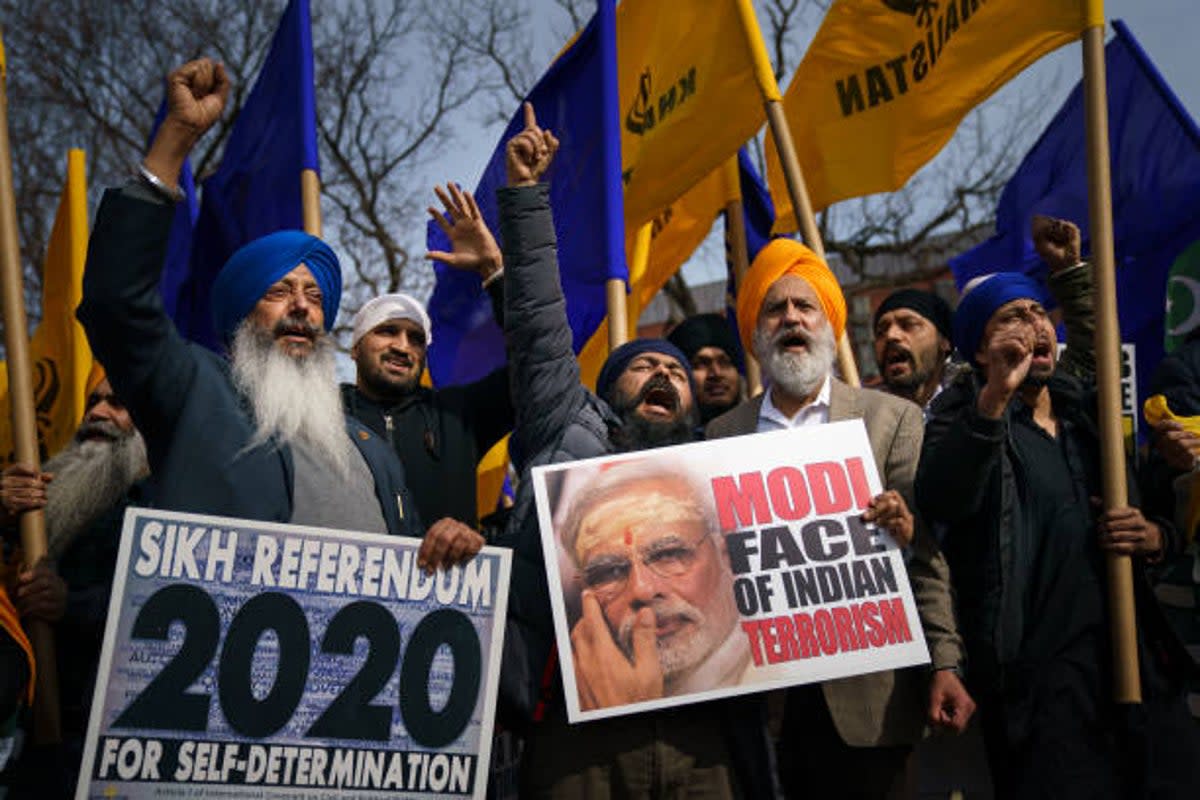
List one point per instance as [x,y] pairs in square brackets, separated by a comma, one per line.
[669,557]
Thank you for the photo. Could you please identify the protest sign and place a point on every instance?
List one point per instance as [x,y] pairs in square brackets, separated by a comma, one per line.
[274,660]
[1130,408]
[750,554]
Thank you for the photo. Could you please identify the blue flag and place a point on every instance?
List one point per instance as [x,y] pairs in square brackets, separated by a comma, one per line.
[179,245]
[758,213]
[585,193]
[1155,159]
[757,207]
[256,190]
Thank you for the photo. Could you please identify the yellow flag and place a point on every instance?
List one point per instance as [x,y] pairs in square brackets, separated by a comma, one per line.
[688,97]
[1156,412]
[676,232]
[59,350]
[885,84]
[689,100]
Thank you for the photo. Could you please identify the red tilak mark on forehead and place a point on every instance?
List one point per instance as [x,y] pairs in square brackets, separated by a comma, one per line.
[628,537]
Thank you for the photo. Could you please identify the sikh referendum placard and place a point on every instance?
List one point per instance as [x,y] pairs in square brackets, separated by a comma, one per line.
[721,568]
[257,659]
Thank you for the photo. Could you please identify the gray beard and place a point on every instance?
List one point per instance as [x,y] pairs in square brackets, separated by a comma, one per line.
[797,374]
[90,477]
[295,398]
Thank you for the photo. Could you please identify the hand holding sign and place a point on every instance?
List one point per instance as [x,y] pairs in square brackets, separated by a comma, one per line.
[890,512]
[605,675]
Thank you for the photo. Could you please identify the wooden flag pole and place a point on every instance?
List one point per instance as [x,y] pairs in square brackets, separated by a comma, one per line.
[1127,686]
[773,102]
[47,727]
[739,256]
[619,330]
[310,201]
[618,326]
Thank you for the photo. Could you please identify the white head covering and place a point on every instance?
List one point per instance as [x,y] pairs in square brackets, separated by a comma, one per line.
[386,308]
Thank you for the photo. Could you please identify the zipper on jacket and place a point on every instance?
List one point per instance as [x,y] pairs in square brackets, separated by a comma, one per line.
[389,427]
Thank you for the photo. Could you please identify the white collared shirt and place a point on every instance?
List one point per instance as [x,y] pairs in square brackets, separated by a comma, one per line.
[771,418]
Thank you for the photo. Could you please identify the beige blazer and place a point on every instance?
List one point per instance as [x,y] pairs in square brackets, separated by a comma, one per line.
[883,708]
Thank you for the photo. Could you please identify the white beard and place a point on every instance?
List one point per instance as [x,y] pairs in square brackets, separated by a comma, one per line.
[90,477]
[797,374]
[295,398]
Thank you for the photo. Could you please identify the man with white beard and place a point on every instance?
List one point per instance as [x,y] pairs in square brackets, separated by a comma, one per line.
[262,434]
[85,490]
[848,737]
[94,473]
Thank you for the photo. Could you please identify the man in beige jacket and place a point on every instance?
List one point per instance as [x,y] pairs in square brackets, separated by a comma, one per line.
[849,737]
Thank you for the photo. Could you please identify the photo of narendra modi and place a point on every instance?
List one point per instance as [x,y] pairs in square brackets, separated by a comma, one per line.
[719,568]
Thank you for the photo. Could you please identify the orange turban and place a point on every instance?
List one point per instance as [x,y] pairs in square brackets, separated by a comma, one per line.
[95,377]
[787,257]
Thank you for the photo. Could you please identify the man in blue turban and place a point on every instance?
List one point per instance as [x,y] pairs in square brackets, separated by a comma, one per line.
[261,434]
[1010,463]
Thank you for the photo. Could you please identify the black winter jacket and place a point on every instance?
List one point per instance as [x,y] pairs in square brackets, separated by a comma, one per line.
[440,435]
[968,482]
[559,420]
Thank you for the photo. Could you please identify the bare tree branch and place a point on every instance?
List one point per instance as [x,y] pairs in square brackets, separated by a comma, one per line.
[396,82]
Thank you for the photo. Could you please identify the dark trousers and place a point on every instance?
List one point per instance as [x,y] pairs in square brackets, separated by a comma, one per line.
[1150,750]
[814,762]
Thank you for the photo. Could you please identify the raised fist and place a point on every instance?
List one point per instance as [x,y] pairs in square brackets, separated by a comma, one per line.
[196,95]
[1057,241]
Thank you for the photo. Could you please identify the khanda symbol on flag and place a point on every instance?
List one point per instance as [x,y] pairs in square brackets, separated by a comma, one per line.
[58,349]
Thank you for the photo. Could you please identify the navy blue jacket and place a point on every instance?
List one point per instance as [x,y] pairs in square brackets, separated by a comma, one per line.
[182,397]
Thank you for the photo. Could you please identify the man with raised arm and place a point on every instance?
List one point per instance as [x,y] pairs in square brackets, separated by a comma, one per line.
[913,340]
[644,399]
[439,434]
[1011,469]
[260,434]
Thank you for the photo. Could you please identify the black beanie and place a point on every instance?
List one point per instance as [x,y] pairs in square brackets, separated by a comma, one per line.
[706,330]
[927,304]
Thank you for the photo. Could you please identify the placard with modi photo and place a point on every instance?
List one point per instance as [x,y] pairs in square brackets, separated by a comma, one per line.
[721,568]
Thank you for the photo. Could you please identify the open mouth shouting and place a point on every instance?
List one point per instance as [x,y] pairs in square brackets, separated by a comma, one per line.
[897,361]
[658,398]
[1043,355]
[793,340]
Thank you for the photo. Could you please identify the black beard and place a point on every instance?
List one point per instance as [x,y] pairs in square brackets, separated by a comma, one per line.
[391,391]
[1033,381]
[638,433]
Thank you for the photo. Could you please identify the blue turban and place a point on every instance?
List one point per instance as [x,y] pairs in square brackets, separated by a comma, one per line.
[251,270]
[977,306]
[616,362]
